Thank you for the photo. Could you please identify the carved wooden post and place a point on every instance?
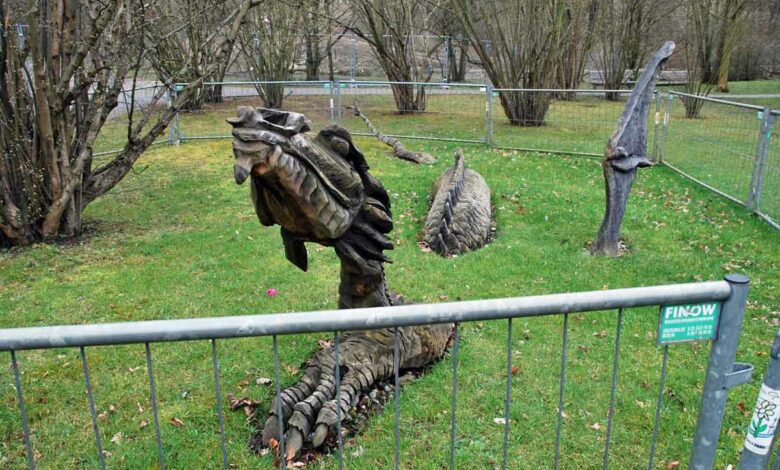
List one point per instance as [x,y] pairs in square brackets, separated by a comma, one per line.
[625,152]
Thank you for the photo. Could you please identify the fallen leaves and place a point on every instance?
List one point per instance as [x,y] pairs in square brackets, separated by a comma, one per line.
[596,426]
[246,404]
[117,438]
[673,464]
[177,422]
[263,381]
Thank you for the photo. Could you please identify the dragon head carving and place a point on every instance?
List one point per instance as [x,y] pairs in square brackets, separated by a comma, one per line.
[315,186]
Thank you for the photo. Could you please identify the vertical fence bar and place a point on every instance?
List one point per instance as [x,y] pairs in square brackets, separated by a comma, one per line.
[171,125]
[279,413]
[613,390]
[396,394]
[665,130]
[338,402]
[489,115]
[658,403]
[453,420]
[353,58]
[92,411]
[562,386]
[721,363]
[756,451]
[508,390]
[153,391]
[446,65]
[218,393]
[23,412]
[657,123]
[338,103]
[759,164]
[331,105]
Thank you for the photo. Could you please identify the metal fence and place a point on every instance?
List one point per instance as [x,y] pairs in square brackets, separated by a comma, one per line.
[726,148]
[722,371]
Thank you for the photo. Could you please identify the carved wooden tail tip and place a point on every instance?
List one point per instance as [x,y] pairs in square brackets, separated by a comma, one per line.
[245,115]
[667,49]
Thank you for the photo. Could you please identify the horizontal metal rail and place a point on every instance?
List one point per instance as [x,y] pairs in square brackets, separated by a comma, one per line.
[442,84]
[15,339]
[716,100]
[261,82]
[565,90]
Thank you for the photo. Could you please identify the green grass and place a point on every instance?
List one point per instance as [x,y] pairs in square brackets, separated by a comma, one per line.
[179,239]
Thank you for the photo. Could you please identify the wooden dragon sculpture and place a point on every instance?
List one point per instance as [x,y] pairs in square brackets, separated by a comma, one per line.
[318,189]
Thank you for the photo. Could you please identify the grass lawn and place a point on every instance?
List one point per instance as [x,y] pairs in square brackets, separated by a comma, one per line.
[179,239]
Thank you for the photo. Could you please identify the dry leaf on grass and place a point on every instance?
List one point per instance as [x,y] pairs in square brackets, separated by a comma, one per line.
[177,422]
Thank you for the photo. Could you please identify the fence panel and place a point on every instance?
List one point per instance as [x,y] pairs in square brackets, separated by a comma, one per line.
[576,122]
[132,104]
[451,112]
[210,121]
[718,147]
[585,391]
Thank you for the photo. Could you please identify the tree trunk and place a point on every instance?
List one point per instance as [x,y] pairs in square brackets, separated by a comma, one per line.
[409,99]
[457,62]
[526,109]
[313,57]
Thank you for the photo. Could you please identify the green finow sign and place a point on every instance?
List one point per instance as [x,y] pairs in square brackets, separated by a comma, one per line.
[692,322]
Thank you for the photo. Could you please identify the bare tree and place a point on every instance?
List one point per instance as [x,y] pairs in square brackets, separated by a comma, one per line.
[319,19]
[270,45]
[389,28]
[580,17]
[58,89]
[182,51]
[520,44]
[623,32]
[713,28]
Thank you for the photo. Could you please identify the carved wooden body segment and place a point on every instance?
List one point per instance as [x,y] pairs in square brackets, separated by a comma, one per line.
[460,216]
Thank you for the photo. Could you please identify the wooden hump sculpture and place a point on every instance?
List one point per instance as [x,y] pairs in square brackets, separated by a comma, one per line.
[318,189]
[625,152]
[460,216]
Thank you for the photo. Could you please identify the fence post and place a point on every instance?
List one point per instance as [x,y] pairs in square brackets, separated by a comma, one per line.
[721,375]
[331,108]
[489,115]
[338,102]
[667,114]
[353,58]
[759,165]
[172,124]
[657,122]
[756,451]
[446,65]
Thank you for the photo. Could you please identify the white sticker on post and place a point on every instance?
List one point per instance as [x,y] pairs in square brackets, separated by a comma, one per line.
[764,423]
